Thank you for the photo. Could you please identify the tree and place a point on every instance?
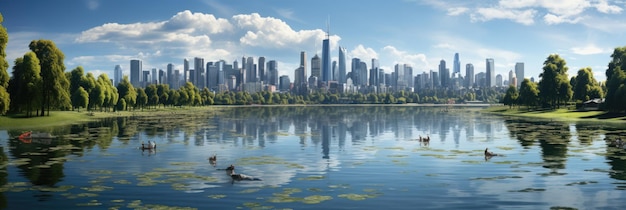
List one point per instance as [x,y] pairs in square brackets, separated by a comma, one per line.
[80,98]
[5,101]
[510,98]
[96,97]
[554,87]
[142,98]
[126,92]
[110,92]
[153,96]
[528,93]
[585,85]
[4,65]
[26,83]
[615,79]
[55,86]
[76,79]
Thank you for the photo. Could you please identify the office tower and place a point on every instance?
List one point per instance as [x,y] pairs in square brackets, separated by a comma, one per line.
[161,77]
[316,66]
[261,67]
[242,72]
[250,70]
[303,63]
[512,78]
[118,74]
[469,75]
[354,71]
[498,80]
[135,72]
[444,75]
[153,76]
[481,79]
[342,66]
[213,70]
[185,71]
[170,75]
[362,74]
[145,78]
[198,67]
[284,83]
[272,72]
[519,73]
[457,64]
[334,71]
[177,80]
[490,74]
[325,74]
[408,75]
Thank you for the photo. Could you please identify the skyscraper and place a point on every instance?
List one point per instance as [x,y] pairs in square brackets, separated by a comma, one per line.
[325,74]
[444,75]
[519,73]
[303,63]
[198,66]
[185,71]
[170,75]
[272,72]
[118,75]
[341,74]
[490,79]
[261,67]
[469,75]
[316,66]
[250,70]
[457,64]
[135,72]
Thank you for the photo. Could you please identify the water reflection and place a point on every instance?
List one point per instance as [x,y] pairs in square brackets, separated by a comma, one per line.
[286,145]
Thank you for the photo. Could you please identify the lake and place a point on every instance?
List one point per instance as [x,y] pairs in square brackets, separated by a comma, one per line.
[320,157]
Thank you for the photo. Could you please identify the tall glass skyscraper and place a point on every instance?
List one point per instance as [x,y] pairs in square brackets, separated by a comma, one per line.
[342,65]
[135,72]
[457,64]
[519,73]
[117,75]
[491,74]
[326,74]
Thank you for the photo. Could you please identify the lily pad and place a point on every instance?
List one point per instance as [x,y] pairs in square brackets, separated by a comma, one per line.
[315,199]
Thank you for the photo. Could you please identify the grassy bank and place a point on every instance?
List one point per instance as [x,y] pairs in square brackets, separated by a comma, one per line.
[59,118]
[559,114]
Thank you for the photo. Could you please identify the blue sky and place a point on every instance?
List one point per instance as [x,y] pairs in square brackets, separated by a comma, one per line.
[99,34]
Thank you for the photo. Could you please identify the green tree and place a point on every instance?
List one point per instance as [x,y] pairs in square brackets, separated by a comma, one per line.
[80,98]
[510,98]
[142,98]
[55,86]
[153,96]
[76,79]
[528,93]
[615,80]
[4,65]
[110,92]
[96,97]
[126,92]
[26,83]
[554,86]
[585,85]
[5,101]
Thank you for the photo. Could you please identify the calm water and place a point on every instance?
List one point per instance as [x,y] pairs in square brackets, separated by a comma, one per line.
[314,158]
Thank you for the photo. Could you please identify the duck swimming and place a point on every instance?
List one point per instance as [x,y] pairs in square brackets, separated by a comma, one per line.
[489,154]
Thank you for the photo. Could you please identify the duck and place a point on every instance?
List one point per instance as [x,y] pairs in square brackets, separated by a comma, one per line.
[213,158]
[489,154]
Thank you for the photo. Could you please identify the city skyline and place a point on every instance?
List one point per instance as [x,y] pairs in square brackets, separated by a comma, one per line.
[98,35]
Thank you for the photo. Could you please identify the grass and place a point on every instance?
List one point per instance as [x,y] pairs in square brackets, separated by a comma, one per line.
[60,118]
[562,114]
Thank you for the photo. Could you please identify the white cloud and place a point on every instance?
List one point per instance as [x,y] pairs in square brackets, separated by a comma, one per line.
[418,61]
[363,53]
[590,49]
[604,7]
[552,19]
[457,11]
[525,17]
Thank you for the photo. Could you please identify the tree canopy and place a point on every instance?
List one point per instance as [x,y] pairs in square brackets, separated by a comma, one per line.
[55,86]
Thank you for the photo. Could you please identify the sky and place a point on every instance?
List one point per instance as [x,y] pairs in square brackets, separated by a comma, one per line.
[99,34]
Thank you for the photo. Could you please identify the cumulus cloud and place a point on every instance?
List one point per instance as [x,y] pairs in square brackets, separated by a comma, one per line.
[525,11]
[363,53]
[525,17]
[590,49]
[417,61]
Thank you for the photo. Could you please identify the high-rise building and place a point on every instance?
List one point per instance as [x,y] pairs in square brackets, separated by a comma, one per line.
[118,75]
[512,78]
[408,75]
[490,74]
[303,63]
[457,64]
[374,81]
[170,75]
[334,71]
[272,72]
[316,66]
[444,75]
[185,71]
[284,83]
[250,70]
[469,75]
[135,72]
[261,67]
[154,77]
[498,80]
[198,66]
[325,74]
[519,73]
[342,66]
